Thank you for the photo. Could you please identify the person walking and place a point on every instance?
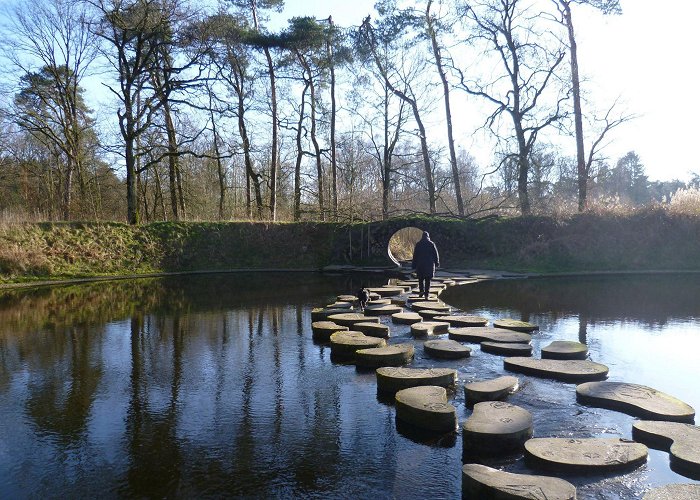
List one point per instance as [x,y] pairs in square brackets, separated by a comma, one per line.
[425,260]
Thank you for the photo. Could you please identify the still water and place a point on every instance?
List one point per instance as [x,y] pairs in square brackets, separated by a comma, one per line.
[211,386]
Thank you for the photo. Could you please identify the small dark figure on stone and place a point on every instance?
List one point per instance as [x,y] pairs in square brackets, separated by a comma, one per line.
[425,260]
[363,297]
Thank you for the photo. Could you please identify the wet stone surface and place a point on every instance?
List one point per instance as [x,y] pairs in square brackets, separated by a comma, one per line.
[496,427]
[406,318]
[563,349]
[507,348]
[674,492]
[391,379]
[391,355]
[446,349]
[463,320]
[486,334]
[344,344]
[322,330]
[682,441]
[490,390]
[480,481]
[426,407]
[372,329]
[429,328]
[591,455]
[572,370]
[349,319]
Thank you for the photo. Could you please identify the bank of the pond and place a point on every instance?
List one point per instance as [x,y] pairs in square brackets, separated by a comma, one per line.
[643,241]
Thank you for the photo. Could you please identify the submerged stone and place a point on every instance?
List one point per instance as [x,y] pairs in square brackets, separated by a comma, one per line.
[406,318]
[480,481]
[514,324]
[636,400]
[573,370]
[381,310]
[585,455]
[495,427]
[507,348]
[682,441]
[674,492]
[463,321]
[344,344]
[486,334]
[426,407]
[429,328]
[390,379]
[349,319]
[372,329]
[322,330]
[390,355]
[565,349]
[490,390]
[446,349]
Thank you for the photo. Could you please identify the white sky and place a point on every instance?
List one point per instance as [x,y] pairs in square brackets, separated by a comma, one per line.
[648,57]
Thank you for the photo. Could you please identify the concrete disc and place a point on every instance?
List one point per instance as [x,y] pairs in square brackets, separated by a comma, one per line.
[480,481]
[406,318]
[682,441]
[429,313]
[494,427]
[446,349]
[379,302]
[347,298]
[390,355]
[463,321]
[387,291]
[429,328]
[514,324]
[390,379]
[490,390]
[382,310]
[426,407]
[322,330]
[585,455]
[486,334]
[344,344]
[572,370]
[564,349]
[372,329]
[322,313]
[429,304]
[349,319]
[674,492]
[507,348]
[339,305]
[636,400]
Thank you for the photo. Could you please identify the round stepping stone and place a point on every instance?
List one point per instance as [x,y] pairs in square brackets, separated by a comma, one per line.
[426,407]
[321,313]
[572,370]
[490,390]
[446,349]
[390,379]
[429,328]
[432,305]
[379,302]
[344,344]
[463,321]
[406,318]
[349,319]
[429,313]
[486,334]
[674,492]
[372,329]
[322,330]
[585,455]
[514,324]
[494,427]
[386,291]
[480,481]
[382,310]
[682,441]
[347,298]
[339,305]
[507,348]
[564,349]
[414,297]
[398,301]
[390,355]
[636,400]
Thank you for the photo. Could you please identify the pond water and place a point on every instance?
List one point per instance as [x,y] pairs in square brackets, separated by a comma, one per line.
[211,386]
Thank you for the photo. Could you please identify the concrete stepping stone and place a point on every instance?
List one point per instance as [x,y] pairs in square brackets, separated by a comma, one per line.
[487,334]
[406,318]
[382,310]
[429,313]
[346,298]
[429,304]
[637,400]
[571,370]
[514,324]
[463,321]
[414,297]
[391,379]
[379,302]
[682,441]
[495,389]
[322,313]
[507,348]
[446,349]
[349,319]
[426,407]
[429,328]
[372,329]
[344,344]
[390,355]
[322,330]
[480,481]
[674,492]
[387,291]
[594,455]
[495,427]
[564,349]
[339,305]
[399,301]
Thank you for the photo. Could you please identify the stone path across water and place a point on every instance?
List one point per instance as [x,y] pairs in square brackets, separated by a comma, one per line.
[514,324]
[496,427]
[487,334]
[490,390]
[426,407]
[572,370]
[564,349]
[480,481]
[463,320]
[446,349]
[391,355]
[507,348]
[391,379]
[682,441]
[591,455]
[322,330]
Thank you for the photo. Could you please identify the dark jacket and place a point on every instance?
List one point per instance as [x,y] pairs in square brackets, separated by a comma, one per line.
[425,257]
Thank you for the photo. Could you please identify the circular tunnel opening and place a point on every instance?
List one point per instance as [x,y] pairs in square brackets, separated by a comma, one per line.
[401,245]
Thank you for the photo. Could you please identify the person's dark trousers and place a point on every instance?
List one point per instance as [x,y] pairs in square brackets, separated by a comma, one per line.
[424,286]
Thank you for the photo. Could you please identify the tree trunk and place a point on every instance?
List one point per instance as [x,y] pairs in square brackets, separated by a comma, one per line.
[312,132]
[334,164]
[172,158]
[253,178]
[300,156]
[386,159]
[274,164]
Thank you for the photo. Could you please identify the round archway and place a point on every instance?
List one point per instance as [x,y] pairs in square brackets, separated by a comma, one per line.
[401,245]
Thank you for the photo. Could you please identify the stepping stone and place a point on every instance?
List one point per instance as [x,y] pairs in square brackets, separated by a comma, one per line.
[429,328]
[421,298]
[682,441]
[398,301]
[486,334]
[464,321]
[432,305]
[495,427]
[339,305]
[507,348]
[344,344]
[426,407]
[321,313]
[446,349]
[480,481]
[390,355]
[379,302]
[347,298]
[322,330]
[572,370]
[564,349]
[382,310]
[585,455]
[514,324]
[429,313]
[372,329]
[406,318]
[674,492]
[386,291]
[637,400]
[349,319]
[390,379]
[490,390]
